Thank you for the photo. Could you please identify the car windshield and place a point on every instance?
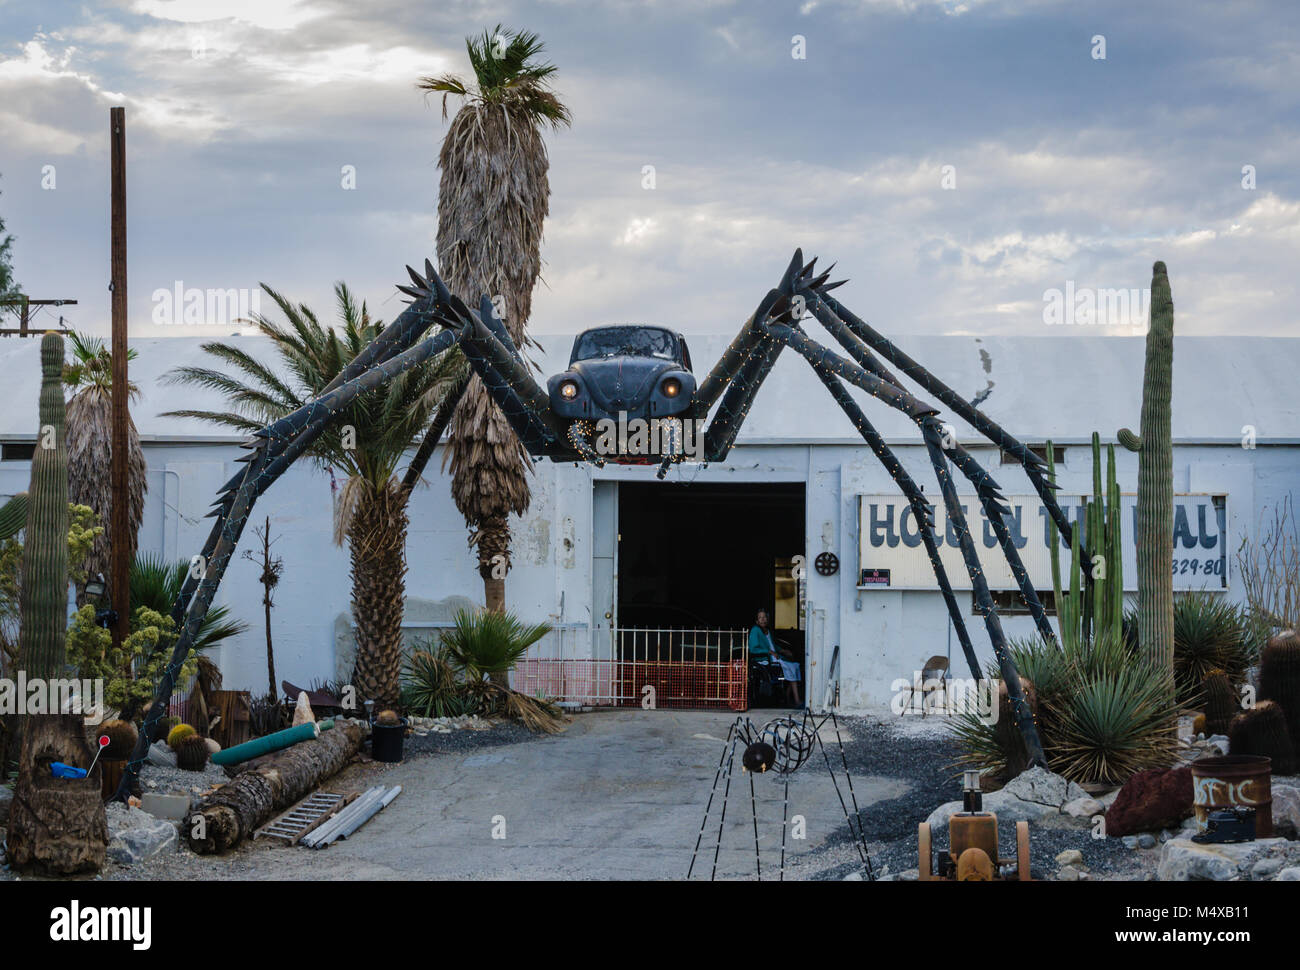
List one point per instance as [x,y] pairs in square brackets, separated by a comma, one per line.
[626,341]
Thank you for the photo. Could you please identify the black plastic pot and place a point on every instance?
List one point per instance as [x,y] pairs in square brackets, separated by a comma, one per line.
[386,741]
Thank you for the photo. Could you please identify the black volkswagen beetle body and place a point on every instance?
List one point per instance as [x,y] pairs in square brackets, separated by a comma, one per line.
[624,372]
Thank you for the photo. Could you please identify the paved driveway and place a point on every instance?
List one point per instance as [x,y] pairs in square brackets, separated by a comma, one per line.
[619,795]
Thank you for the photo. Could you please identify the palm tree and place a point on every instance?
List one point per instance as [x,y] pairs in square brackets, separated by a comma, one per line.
[90,437]
[367,441]
[155,583]
[492,201]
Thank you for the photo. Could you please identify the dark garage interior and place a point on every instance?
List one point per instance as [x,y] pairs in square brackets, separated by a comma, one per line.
[708,556]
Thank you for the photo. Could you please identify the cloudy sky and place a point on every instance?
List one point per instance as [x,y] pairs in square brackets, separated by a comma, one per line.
[958,158]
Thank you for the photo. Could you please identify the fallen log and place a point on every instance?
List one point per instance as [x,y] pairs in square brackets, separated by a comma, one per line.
[229,815]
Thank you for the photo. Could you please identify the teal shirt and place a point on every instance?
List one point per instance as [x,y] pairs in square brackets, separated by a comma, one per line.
[760,642]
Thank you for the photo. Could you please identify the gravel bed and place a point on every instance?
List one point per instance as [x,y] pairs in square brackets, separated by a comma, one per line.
[458,742]
[921,756]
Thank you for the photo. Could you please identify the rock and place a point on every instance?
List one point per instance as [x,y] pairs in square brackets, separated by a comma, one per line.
[1151,799]
[1085,807]
[1265,868]
[135,835]
[166,806]
[1146,841]
[1040,785]
[1166,835]
[302,713]
[853,877]
[1069,857]
[1289,874]
[1068,874]
[1130,841]
[1035,795]
[1286,811]
[1182,860]
[910,875]
[213,746]
[1219,741]
[161,755]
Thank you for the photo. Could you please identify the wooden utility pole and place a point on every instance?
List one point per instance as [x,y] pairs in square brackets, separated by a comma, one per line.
[120,525]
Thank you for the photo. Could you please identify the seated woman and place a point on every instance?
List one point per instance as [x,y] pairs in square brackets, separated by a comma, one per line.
[765,650]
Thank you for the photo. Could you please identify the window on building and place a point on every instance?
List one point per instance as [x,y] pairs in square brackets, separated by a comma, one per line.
[1009,602]
[1058,454]
[17,451]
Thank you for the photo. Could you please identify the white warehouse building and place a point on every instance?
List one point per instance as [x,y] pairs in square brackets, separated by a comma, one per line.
[613,549]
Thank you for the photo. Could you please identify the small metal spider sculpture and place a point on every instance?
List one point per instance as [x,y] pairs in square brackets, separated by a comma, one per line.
[645,372]
[781,747]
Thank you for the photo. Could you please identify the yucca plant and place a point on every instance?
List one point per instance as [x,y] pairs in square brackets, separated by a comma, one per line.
[1209,634]
[430,685]
[488,644]
[155,584]
[1111,723]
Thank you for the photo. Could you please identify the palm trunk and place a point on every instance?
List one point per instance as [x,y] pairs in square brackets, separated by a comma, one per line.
[377,538]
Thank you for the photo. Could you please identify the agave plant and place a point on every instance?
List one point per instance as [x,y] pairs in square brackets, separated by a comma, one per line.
[1103,712]
[431,687]
[488,644]
[155,584]
[1210,633]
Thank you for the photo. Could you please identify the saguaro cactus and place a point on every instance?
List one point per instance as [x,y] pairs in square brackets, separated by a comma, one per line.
[1155,502]
[56,825]
[13,516]
[44,597]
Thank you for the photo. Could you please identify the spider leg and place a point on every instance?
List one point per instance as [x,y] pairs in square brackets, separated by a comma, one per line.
[922,511]
[276,448]
[1034,466]
[988,490]
[933,432]
[925,415]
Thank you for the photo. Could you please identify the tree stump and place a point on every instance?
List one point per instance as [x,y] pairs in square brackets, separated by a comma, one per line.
[231,813]
[57,826]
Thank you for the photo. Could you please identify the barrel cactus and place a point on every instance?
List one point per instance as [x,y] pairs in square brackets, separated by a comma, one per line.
[1262,730]
[43,599]
[121,736]
[1155,500]
[178,734]
[1279,676]
[1220,702]
[192,753]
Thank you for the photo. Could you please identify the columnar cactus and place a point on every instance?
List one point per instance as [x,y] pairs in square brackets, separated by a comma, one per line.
[1262,730]
[13,516]
[1155,502]
[1279,676]
[44,597]
[1220,702]
[1094,606]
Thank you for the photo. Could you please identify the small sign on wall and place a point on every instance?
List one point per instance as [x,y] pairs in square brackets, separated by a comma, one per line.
[873,579]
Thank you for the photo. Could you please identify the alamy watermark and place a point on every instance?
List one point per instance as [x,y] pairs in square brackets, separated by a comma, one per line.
[1087,306]
[193,307]
[650,436]
[36,695]
[945,695]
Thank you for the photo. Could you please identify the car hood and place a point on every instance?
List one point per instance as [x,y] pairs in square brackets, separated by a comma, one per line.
[621,383]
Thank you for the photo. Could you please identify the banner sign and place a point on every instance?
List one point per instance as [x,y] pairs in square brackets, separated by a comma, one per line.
[890,543]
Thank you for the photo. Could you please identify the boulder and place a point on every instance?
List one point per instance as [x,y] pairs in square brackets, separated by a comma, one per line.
[1150,800]
[1289,874]
[1085,807]
[302,713]
[134,835]
[1183,860]
[1286,811]
[1035,795]
[1069,857]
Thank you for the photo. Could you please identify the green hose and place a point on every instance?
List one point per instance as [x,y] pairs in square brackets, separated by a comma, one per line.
[270,742]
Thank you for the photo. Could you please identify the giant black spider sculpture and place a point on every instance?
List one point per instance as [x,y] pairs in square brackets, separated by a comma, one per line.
[559,430]
[781,746]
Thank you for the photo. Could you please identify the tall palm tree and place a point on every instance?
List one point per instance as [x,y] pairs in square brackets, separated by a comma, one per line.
[367,441]
[89,374]
[492,201]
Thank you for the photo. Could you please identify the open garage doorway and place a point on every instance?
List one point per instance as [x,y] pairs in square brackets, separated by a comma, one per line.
[707,557]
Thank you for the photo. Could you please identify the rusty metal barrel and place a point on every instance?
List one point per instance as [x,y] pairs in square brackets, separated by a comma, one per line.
[1235,780]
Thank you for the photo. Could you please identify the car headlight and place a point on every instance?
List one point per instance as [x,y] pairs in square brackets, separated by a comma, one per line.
[671,387]
[568,390]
